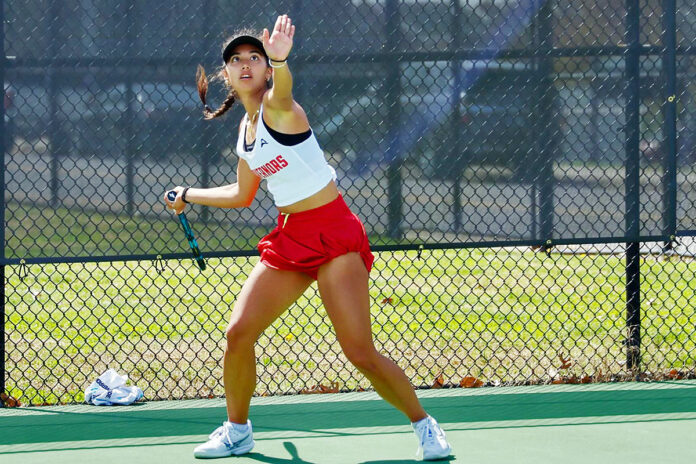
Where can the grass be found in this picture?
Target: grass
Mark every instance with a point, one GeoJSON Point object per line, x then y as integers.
{"type": "Point", "coordinates": [502, 315]}
{"type": "Point", "coordinates": [62, 232]}
{"type": "Point", "coordinates": [39, 232]}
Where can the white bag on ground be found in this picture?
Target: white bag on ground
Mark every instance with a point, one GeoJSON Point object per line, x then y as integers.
{"type": "Point", "coordinates": [110, 388]}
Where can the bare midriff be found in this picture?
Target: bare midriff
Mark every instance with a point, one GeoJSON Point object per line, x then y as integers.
{"type": "Point", "coordinates": [322, 197]}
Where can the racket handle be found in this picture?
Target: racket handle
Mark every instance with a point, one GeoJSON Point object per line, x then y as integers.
{"type": "Point", "coordinates": [171, 195]}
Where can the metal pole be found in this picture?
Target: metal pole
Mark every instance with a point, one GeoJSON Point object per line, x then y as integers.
{"type": "Point", "coordinates": [2, 203]}
{"type": "Point", "coordinates": [538, 127]}
{"type": "Point", "coordinates": [56, 142]}
{"type": "Point", "coordinates": [129, 114]}
{"type": "Point", "coordinates": [456, 120]}
{"type": "Point", "coordinates": [632, 215]}
{"type": "Point", "coordinates": [669, 108]}
{"type": "Point", "coordinates": [392, 94]}
{"type": "Point", "coordinates": [549, 136]}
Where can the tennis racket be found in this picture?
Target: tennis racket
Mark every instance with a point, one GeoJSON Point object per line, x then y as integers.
{"type": "Point", "coordinates": [171, 195]}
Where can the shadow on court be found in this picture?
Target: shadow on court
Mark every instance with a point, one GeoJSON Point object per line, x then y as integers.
{"type": "Point", "coordinates": [290, 448]}
{"type": "Point", "coordinates": [405, 461]}
{"type": "Point", "coordinates": [296, 459]}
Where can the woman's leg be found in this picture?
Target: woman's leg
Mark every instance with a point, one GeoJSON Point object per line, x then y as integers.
{"type": "Point", "coordinates": [343, 285]}
{"type": "Point", "coordinates": [265, 295]}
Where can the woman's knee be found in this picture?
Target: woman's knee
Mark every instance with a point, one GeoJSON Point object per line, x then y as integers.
{"type": "Point", "coordinates": [239, 336]}
{"type": "Point", "coordinates": [365, 358]}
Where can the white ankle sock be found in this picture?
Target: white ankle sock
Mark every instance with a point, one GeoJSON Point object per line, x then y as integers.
{"type": "Point", "coordinates": [238, 427]}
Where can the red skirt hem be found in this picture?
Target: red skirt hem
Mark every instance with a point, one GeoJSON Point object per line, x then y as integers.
{"type": "Point", "coordinates": [307, 240]}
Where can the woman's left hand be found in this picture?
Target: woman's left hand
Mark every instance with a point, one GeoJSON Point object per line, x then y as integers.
{"type": "Point", "coordinates": [278, 44]}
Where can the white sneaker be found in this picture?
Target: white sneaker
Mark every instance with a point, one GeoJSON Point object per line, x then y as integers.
{"type": "Point", "coordinates": [432, 442]}
{"type": "Point", "coordinates": [226, 440]}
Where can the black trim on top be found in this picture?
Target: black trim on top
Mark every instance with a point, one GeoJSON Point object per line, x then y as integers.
{"type": "Point", "coordinates": [248, 146]}
{"type": "Point", "coordinates": [284, 139]}
{"type": "Point", "coordinates": [288, 139]}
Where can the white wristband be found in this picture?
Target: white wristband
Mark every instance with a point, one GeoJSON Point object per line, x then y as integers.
{"type": "Point", "coordinates": [270, 63]}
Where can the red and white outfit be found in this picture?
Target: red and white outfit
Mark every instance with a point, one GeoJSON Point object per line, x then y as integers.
{"type": "Point", "coordinates": [306, 240]}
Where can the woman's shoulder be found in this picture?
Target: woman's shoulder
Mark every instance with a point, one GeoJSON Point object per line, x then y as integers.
{"type": "Point", "coordinates": [287, 121]}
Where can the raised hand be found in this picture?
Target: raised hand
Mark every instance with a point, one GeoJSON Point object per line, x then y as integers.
{"type": "Point", "coordinates": [279, 43]}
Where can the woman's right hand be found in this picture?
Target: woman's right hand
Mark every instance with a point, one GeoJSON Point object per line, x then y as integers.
{"type": "Point", "coordinates": [178, 204]}
{"type": "Point", "coordinates": [278, 43]}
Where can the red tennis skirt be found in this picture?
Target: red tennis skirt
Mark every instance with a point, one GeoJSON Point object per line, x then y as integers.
{"type": "Point", "coordinates": [306, 240]}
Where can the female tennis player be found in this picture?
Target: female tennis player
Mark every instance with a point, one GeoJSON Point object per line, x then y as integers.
{"type": "Point", "coordinates": [317, 238]}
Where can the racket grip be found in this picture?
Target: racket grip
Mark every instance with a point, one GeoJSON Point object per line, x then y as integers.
{"type": "Point", "coordinates": [171, 196]}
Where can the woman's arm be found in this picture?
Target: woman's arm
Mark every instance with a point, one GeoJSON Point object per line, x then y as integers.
{"type": "Point", "coordinates": [238, 195]}
{"type": "Point", "coordinates": [280, 110]}
{"type": "Point", "coordinates": [277, 46]}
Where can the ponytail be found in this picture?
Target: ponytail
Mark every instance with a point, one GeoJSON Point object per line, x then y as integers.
{"type": "Point", "coordinates": [202, 83]}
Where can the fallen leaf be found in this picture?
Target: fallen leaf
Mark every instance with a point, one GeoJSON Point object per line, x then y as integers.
{"type": "Point", "coordinates": [318, 389]}
{"type": "Point", "coordinates": [439, 382]}
{"type": "Point", "coordinates": [565, 363]}
{"type": "Point", "coordinates": [388, 300]}
{"type": "Point", "coordinates": [674, 374]}
{"type": "Point", "coordinates": [470, 382]}
{"type": "Point", "coordinates": [332, 389]}
{"type": "Point", "coordinates": [9, 401]}
{"type": "Point", "coordinates": [586, 379]}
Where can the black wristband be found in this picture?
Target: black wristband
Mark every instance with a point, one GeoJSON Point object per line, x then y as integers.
{"type": "Point", "coordinates": [278, 61]}
{"type": "Point", "coordinates": [183, 195]}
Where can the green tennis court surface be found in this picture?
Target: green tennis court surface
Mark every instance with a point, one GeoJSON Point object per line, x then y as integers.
{"type": "Point", "coordinates": [623, 422]}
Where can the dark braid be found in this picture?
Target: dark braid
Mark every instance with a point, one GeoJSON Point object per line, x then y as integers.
{"type": "Point", "coordinates": [202, 83]}
{"type": "Point", "coordinates": [226, 105]}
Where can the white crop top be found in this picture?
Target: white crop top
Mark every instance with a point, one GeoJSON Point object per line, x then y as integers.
{"type": "Point", "coordinates": [292, 173]}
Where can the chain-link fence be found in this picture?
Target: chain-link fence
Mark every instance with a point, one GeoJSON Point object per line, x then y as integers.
{"type": "Point", "coordinates": [524, 168]}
